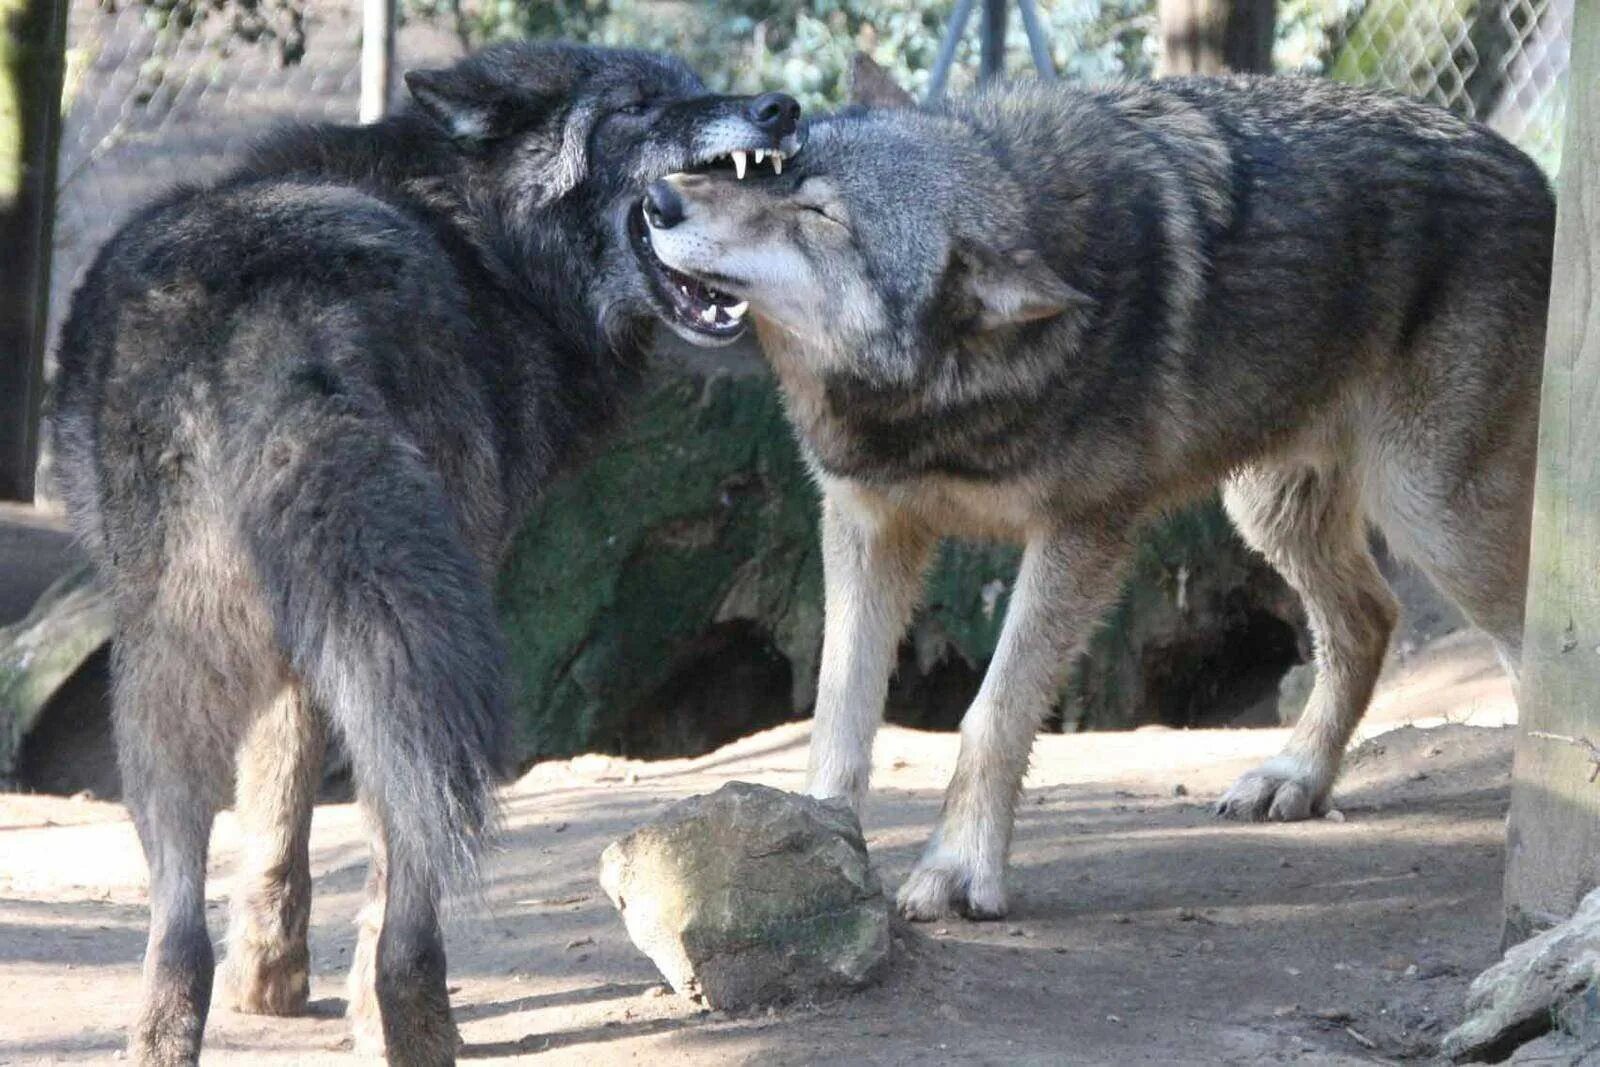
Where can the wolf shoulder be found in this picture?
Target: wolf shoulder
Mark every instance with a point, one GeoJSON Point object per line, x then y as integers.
{"type": "Point", "coordinates": [250, 236]}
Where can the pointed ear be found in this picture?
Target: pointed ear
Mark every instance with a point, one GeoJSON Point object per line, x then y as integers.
{"type": "Point", "coordinates": [468, 111]}
{"type": "Point", "coordinates": [871, 86]}
{"type": "Point", "coordinates": [1014, 287]}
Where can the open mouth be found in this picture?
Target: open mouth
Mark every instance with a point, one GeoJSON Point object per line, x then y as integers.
{"type": "Point", "coordinates": [695, 308]}
{"type": "Point", "coordinates": [740, 160]}
{"type": "Point", "coordinates": [744, 161]}
{"type": "Point", "coordinates": [693, 305]}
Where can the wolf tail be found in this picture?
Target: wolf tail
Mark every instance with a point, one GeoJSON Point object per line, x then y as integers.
{"type": "Point", "coordinates": [387, 621]}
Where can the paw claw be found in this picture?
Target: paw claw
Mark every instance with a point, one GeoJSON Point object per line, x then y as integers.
{"type": "Point", "coordinates": [267, 983]}
{"type": "Point", "coordinates": [1273, 793]}
{"type": "Point", "coordinates": [933, 892]}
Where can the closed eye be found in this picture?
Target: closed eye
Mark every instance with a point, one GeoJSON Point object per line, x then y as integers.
{"type": "Point", "coordinates": [638, 107]}
{"type": "Point", "coordinates": [820, 209]}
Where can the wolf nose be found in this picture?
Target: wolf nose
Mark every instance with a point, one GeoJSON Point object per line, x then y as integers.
{"type": "Point", "coordinates": [776, 114]}
{"type": "Point", "coordinates": [663, 207]}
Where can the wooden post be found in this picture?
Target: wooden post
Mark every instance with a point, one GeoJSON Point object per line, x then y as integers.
{"type": "Point", "coordinates": [33, 41]}
{"type": "Point", "coordinates": [1214, 36]}
{"type": "Point", "coordinates": [1553, 839]}
{"type": "Point", "coordinates": [377, 57]}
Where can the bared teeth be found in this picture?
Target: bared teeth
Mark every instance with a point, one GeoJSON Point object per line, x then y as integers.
{"type": "Point", "coordinates": [738, 164]}
{"type": "Point", "coordinates": [777, 162]}
{"type": "Point", "coordinates": [736, 311]}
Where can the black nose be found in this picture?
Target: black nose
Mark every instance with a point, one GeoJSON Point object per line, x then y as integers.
{"type": "Point", "coordinates": [776, 114]}
{"type": "Point", "coordinates": [663, 207]}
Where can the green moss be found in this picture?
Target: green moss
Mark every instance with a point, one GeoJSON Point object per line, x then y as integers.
{"type": "Point", "coordinates": [699, 510]}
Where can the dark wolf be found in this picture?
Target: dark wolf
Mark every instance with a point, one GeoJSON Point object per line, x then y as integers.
{"type": "Point", "coordinates": [1045, 314]}
{"type": "Point", "coordinates": [299, 411]}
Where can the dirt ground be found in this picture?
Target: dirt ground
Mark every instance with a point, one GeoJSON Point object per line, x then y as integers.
{"type": "Point", "coordinates": [1142, 929]}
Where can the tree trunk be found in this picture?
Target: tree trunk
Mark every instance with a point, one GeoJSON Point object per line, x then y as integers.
{"type": "Point", "coordinates": [1553, 844]}
{"type": "Point", "coordinates": [32, 52]}
{"type": "Point", "coordinates": [1216, 36]}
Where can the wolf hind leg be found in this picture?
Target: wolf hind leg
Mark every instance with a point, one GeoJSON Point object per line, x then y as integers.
{"type": "Point", "coordinates": [1469, 530]}
{"type": "Point", "coordinates": [392, 949]}
{"type": "Point", "coordinates": [1063, 587]}
{"type": "Point", "coordinates": [1309, 524]}
{"type": "Point", "coordinates": [173, 781]}
{"type": "Point", "coordinates": [267, 969]}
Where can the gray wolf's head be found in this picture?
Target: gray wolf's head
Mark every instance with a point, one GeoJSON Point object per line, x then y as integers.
{"type": "Point", "coordinates": [894, 242]}
{"type": "Point", "coordinates": [582, 132]}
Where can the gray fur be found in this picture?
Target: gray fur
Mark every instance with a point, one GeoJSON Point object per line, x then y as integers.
{"type": "Point", "coordinates": [1044, 314]}
{"type": "Point", "coordinates": [299, 413]}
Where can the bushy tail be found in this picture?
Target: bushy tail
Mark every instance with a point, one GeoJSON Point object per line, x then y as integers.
{"type": "Point", "coordinates": [387, 621]}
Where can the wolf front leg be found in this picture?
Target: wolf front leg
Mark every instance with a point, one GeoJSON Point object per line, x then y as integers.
{"type": "Point", "coordinates": [873, 560]}
{"type": "Point", "coordinates": [1066, 582]}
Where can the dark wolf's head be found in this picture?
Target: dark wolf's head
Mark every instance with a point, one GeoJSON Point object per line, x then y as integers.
{"type": "Point", "coordinates": [893, 242]}
{"type": "Point", "coordinates": [584, 131]}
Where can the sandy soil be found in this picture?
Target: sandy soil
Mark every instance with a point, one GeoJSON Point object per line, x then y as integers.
{"type": "Point", "coordinates": [1142, 931]}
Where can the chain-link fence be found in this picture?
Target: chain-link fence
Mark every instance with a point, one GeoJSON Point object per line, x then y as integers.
{"type": "Point", "coordinates": [163, 91]}
{"type": "Point", "coordinates": [166, 91]}
{"type": "Point", "coordinates": [1500, 61]}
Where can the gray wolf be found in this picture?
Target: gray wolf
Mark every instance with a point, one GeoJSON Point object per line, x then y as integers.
{"type": "Point", "coordinates": [1044, 314]}
{"type": "Point", "coordinates": [299, 411]}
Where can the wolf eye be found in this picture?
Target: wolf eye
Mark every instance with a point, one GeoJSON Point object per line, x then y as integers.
{"type": "Point", "coordinates": [819, 209]}
{"type": "Point", "coordinates": [638, 107]}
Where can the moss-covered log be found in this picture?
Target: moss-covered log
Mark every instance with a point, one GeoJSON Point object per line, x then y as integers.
{"type": "Point", "coordinates": [666, 596]}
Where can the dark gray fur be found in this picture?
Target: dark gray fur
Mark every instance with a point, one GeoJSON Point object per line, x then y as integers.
{"type": "Point", "coordinates": [1046, 313]}
{"type": "Point", "coordinates": [299, 412]}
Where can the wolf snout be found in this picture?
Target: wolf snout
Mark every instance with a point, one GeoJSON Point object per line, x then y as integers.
{"type": "Point", "coordinates": [775, 114]}
{"type": "Point", "coordinates": [663, 207]}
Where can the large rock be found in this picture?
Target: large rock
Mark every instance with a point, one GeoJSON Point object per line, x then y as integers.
{"type": "Point", "coordinates": [751, 895]}
{"type": "Point", "coordinates": [1547, 982]}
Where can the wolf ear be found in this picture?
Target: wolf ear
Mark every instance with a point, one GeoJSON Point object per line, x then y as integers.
{"type": "Point", "coordinates": [467, 109]}
{"type": "Point", "coordinates": [475, 110]}
{"type": "Point", "coordinates": [871, 85]}
{"type": "Point", "coordinates": [1014, 287]}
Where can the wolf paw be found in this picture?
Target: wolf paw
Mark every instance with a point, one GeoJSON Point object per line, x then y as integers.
{"type": "Point", "coordinates": [934, 890]}
{"type": "Point", "coordinates": [366, 1036]}
{"type": "Point", "coordinates": [166, 1040]}
{"type": "Point", "coordinates": [1277, 791]}
{"type": "Point", "coordinates": [263, 981]}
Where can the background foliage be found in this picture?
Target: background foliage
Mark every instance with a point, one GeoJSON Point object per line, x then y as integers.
{"type": "Point", "coordinates": [804, 46]}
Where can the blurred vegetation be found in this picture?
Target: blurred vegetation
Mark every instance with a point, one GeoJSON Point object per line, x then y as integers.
{"type": "Point", "coordinates": [805, 47]}
{"type": "Point", "coordinates": [279, 23]}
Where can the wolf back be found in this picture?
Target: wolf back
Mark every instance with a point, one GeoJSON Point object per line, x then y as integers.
{"type": "Point", "coordinates": [1045, 313]}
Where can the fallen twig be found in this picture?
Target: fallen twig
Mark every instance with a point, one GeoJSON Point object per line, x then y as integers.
{"type": "Point", "coordinates": [1361, 1039]}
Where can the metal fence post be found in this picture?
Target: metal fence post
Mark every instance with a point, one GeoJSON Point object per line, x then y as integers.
{"type": "Point", "coordinates": [992, 40]}
{"type": "Point", "coordinates": [33, 37]}
{"type": "Point", "coordinates": [991, 43]}
{"type": "Point", "coordinates": [377, 57]}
